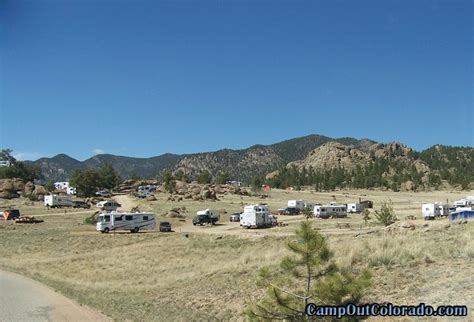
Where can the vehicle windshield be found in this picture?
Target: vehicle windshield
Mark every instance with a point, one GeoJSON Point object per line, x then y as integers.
{"type": "Point", "coordinates": [103, 218]}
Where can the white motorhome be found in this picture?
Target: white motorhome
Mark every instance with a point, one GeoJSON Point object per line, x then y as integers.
{"type": "Point", "coordinates": [355, 207]}
{"type": "Point", "coordinates": [134, 222]}
{"type": "Point", "coordinates": [298, 204]}
{"type": "Point", "coordinates": [57, 201]}
{"type": "Point", "coordinates": [332, 210]}
{"type": "Point", "coordinates": [256, 216]}
{"type": "Point", "coordinates": [433, 210]}
{"type": "Point", "coordinates": [108, 205]}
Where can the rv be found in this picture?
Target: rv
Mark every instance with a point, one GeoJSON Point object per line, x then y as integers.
{"type": "Point", "coordinates": [57, 201]}
{"type": "Point", "coordinates": [108, 205]}
{"type": "Point", "coordinates": [298, 204]}
{"type": "Point", "coordinates": [355, 207]}
{"type": "Point", "coordinates": [330, 211]}
{"type": "Point", "coordinates": [134, 222]}
{"type": "Point", "coordinates": [464, 202]}
{"type": "Point", "coordinates": [256, 216]}
{"type": "Point", "coordinates": [434, 210]}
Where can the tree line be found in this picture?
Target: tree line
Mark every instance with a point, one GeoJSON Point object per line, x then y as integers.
{"type": "Point", "coordinates": [380, 173]}
{"type": "Point", "coordinates": [17, 169]}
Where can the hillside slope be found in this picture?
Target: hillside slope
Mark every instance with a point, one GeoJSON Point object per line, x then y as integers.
{"type": "Point", "coordinates": [239, 164]}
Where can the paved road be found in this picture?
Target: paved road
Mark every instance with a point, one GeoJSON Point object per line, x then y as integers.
{"type": "Point", "coordinates": [23, 299]}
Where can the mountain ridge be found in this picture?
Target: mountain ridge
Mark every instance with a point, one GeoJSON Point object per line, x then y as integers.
{"type": "Point", "coordinates": [238, 164]}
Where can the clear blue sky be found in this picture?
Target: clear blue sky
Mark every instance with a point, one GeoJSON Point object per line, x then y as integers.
{"type": "Point", "coordinates": [142, 78]}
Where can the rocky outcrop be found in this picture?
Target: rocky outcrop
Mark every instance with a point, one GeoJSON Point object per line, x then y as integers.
{"type": "Point", "coordinates": [332, 155]}
{"type": "Point", "coordinates": [14, 188]}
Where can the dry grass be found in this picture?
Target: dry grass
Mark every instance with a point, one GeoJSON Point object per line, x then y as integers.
{"type": "Point", "coordinates": [208, 275]}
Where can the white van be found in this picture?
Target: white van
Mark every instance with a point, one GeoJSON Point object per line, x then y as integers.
{"type": "Point", "coordinates": [133, 221]}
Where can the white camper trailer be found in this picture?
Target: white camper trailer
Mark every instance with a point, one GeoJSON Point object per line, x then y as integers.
{"type": "Point", "coordinates": [134, 222]}
{"type": "Point", "coordinates": [298, 204]}
{"type": "Point", "coordinates": [256, 216]}
{"type": "Point", "coordinates": [57, 201]}
{"type": "Point", "coordinates": [332, 210]}
{"type": "Point", "coordinates": [464, 202]}
{"type": "Point", "coordinates": [434, 210]}
{"type": "Point", "coordinates": [355, 207]}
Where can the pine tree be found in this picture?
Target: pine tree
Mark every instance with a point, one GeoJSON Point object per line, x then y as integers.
{"type": "Point", "coordinates": [308, 276]}
{"type": "Point", "coordinates": [386, 215]}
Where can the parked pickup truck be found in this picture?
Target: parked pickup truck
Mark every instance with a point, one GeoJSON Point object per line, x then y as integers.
{"type": "Point", "coordinates": [208, 216]}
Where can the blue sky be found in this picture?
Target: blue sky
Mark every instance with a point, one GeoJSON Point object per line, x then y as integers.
{"type": "Point", "coordinates": [142, 78]}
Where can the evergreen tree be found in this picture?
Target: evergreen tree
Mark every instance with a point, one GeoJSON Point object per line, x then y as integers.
{"type": "Point", "coordinates": [204, 177]}
{"type": "Point", "coordinates": [108, 177]}
{"type": "Point", "coordinates": [307, 276]}
{"type": "Point", "coordinates": [386, 215]}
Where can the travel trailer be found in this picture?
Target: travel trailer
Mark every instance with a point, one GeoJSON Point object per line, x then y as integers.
{"type": "Point", "coordinates": [298, 204]}
{"type": "Point", "coordinates": [434, 210]}
{"type": "Point", "coordinates": [355, 207]}
{"type": "Point", "coordinates": [332, 210]}
{"type": "Point", "coordinates": [464, 202]}
{"type": "Point", "coordinates": [256, 216]}
{"type": "Point", "coordinates": [57, 201]}
{"type": "Point", "coordinates": [134, 222]}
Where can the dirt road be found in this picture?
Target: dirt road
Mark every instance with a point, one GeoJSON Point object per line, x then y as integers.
{"type": "Point", "coordinates": [125, 201]}
{"type": "Point", "coordinates": [23, 299]}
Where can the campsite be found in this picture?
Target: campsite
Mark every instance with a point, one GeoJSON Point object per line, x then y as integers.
{"type": "Point", "coordinates": [198, 272]}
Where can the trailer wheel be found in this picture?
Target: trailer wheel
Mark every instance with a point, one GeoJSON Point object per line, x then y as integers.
{"type": "Point", "coordinates": [106, 230]}
{"type": "Point", "coordinates": [136, 230]}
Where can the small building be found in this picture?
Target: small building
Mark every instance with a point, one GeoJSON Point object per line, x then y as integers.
{"type": "Point", "coordinates": [461, 215]}
{"type": "Point", "coordinates": [5, 163]}
{"type": "Point", "coordinates": [64, 186]}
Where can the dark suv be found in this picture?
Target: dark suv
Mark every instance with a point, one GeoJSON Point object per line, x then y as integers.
{"type": "Point", "coordinates": [165, 226]}
{"type": "Point", "coordinates": [291, 211]}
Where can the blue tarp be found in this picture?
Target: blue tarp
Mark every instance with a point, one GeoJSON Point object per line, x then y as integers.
{"type": "Point", "coordinates": [461, 215]}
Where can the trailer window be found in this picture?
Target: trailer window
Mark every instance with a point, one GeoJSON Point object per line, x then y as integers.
{"type": "Point", "coordinates": [129, 217]}
{"type": "Point", "coordinates": [107, 218]}
{"type": "Point", "coordinates": [118, 218]}
{"type": "Point", "coordinates": [145, 217]}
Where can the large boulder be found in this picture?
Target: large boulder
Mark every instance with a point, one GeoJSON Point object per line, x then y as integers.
{"type": "Point", "coordinates": [6, 185]}
{"type": "Point", "coordinates": [180, 185]}
{"type": "Point", "coordinates": [29, 188]}
{"type": "Point", "coordinates": [151, 198]}
{"type": "Point", "coordinates": [38, 193]}
{"type": "Point", "coordinates": [18, 184]}
{"type": "Point", "coordinates": [8, 194]}
{"type": "Point", "coordinates": [195, 190]}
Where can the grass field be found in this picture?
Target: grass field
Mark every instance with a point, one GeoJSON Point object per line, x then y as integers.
{"type": "Point", "coordinates": [207, 273]}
